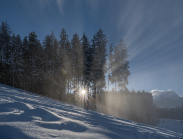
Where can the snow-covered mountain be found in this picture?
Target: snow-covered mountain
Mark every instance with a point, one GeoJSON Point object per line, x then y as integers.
{"type": "Point", "coordinates": [166, 99]}
{"type": "Point", "coordinates": [25, 115]}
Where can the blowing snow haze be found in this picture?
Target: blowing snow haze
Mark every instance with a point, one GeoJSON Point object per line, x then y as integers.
{"type": "Point", "coordinates": [166, 99]}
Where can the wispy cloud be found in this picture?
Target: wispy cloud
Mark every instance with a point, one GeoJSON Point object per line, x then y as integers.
{"type": "Point", "coordinates": [144, 25]}
{"type": "Point", "coordinates": [158, 94]}
{"type": "Point", "coordinates": [60, 4]}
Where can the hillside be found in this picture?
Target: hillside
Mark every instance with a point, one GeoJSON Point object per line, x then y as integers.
{"type": "Point", "coordinates": [28, 115]}
{"type": "Point", "coordinates": [167, 123]}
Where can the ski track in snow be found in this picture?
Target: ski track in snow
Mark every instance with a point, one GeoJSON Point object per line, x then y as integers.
{"type": "Point", "coordinates": [28, 115]}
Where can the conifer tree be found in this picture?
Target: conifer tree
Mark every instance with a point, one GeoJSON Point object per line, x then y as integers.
{"type": "Point", "coordinates": [16, 59]}
{"type": "Point", "coordinates": [48, 44]}
{"type": "Point", "coordinates": [64, 62]}
{"type": "Point", "coordinates": [25, 59]}
{"type": "Point", "coordinates": [51, 59]}
{"type": "Point", "coordinates": [34, 60]}
{"type": "Point", "coordinates": [119, 66]}
{"type": "Point", "coordinates": [87, 58]}
{"type": "Point", "coordinates": [5, 43]}
{"type": "Point", "coordinates": [99, 60]}
{"type": "Point", "coordinates": [77, 59]}
{"type": "Point", "coordinates": [98, 68]}
{"type": "Point", "coordinates": [56, 71]}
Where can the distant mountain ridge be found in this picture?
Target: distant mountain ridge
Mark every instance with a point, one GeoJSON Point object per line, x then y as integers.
{"type": "Point", "coordinates": [166, 99]}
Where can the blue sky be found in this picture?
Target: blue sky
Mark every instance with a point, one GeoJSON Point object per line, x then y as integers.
{"type": "Point", "coordinates": [152, 30]}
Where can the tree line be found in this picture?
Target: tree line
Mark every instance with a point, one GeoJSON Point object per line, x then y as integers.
{"type": "Point", "coordinates": [55, 67]}
{"type": "Point", "coordinates": [59, 68]}
{"type": "Point", "coordinates": [170, 113]}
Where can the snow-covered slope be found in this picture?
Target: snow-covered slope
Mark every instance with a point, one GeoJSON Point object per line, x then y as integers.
{"type": "Point", "coordinates": [24, 115]}
{"type": "Point", "coordinates": [167, 124]}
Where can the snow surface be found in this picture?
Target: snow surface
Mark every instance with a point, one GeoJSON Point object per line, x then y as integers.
{"type": "Point", "coordinates": [177, 125]}
{"type": "Point", "coordinates": [25, 115]}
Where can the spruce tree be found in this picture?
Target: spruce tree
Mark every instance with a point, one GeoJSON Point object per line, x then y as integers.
{"type": "Point", "coordinates": [51, 64]}
{"type": "Point", "coordinates": [87, 58]}
{"type": "Point", "coordinates": [34, 60]}
{"type": "Point", "coordinates": [5, 43]}
{"type": "Point", "coordinates": [25, 61]}
{"type": "Point", "coordinates": [120, 66]}
{"type": "Point", "coordinates": [16, 59]}
{"type": "Point", "coordinates": [64, 62]}
{"type": "Point", "coordinates": [47, 45]}
{"type": "Point", "coordinates": [77, 59]}
{"type": "Point", "coordinates": [99, 59]}
{"type": "Point", "coordinates": [98, 69]}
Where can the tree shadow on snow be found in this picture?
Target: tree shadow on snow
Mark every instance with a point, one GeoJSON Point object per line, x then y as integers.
{"type": "Point", "coordinates": [71, 126]}
{"type": "Point", "coordinates": [8, 132]}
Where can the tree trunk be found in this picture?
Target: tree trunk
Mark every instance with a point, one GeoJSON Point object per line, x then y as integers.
{"type": "Point", "coordinates": [68, 87]}
{"type": "Point", "coordinates": [5, 73]}
{"type": "Point", "coordinates": [1, 69]}
{"type": "Point", "coordinates": [115, 86]}
{"type": "Point", "coordinates": [13, 75]}
{"type": "Point", "coordinates": [108, 83]}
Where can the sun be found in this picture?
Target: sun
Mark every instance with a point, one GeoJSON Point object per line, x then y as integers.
{"type": "Point", "coordinates": [83, 91]}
